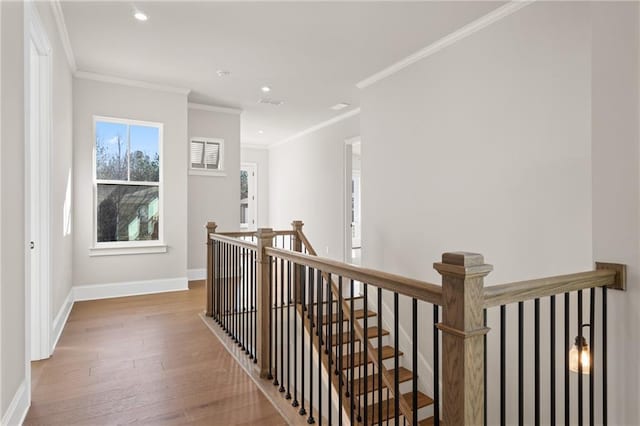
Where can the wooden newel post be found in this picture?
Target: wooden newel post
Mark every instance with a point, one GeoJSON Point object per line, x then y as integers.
{"type": "Point", "coordinates": [211, 229]}
{"type": "Point", "coordinates": [297, 269]}
{"type": "Point", "coordinates": [463, 337]}
{"type": "Point", "coordinates": [263, 297]}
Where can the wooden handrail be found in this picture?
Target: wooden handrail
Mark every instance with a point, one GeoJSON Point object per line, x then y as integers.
{"type": "Point", "coordinates": [533, 289]}
{"type": "Point", "coordinates": [421, 290]}
{"type": "Point", "coordinates": [233, 241]}
{"type": "Point", "coordinates": [254, 233]}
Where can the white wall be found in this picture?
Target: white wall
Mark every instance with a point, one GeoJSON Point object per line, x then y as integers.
{"type": "Point", "coordinates": [485, 146]}
{"type": "Point", "coordinates": [306, 182]}
{"type": "Point", "coordinates": [61, 165]}
{"type": "Point", "coordinates": [12, 223]}
{"type": "Point", "coordinates": [260, 157]}
{"type": "Point", "coordinates": [115, 100]}
{"type": "Point", "coordinates": [616, 177]}
{"type": "Point", "coordinates": [214, 198]}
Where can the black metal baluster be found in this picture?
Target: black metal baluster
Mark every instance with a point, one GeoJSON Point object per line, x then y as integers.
{"type": "Point", "coordinates": [605, 417]}
{"type": "Point", "coordinates": [298, 292]}
{"type": "Point", "coordinates": [271, 322]}
{"type": "Point", "coordinates": [255, 306]}
{"type": "Point", "coordinates": [379, 354]}
{"type": "Point", "coordinates": [288, 301]}
{"type": "Point", "coordinates": [352, 346]}
{"type": "Point", "coordinates": [329, 345]}
{"type": "Point", "coordinates": [536, 361]}
{"type": "Point", "coordinates": [567, 347]}
{"type": "Point", "coordinates": [521, 363]}
{"type": "Point", "coordinates": [592, 349]}
{"type": "Point", "coordinates": [580, 381]}
{"type": "Point", "coordinates": [226, 289]}
{"type": "Point", "coordinates": [303, 284]}
{"type": "Point", "coordinates": [552, 361]}
{"type": "Point", "coordinates": [414, 362]}
{"type": "Point", "coordinates": [436, 365]}
{"type": "Point", "coordinates": [310, 419]}
{"type": "Point", "coordinates": [282, 305]}
{"type": "Point", "coordinates": [503, 365]}
{"type": "Point", "coordinates": [365, 359]}
{"type": "Point", "coordinates": [320, 330]}
{"type": "Point", "coordinates": [234, 296]}
{"type": "Point", "coordinates": [484, 318]}
{"type": "Point", "coordinates": [396, 360]}
{"type": "Point", "coordinates": [243, 304]}
{"type": "Point", "coordinates": [340, 349]}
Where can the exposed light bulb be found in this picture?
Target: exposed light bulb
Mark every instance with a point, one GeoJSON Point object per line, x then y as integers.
{"type": "Point", "coordinates": [579, 358]}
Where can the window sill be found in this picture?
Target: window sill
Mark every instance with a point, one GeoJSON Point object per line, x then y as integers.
{"type": "Point", "coordinates": [193, 172]}
{"type": "Point", "coordinates": [124, 251]}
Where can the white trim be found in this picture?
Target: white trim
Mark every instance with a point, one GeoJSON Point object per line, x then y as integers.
{"type": "Point", "coordinates": [254, 146]}
{"type": "Point", "coordinates": [61, 24]}
{"type": "Point", "coordinates": [83, 75]}
{"type": "Point", "coordinates": [61, 319]}
{"type": "Point", "coordinates": [460, 34]}
{"type": "Point", "coordinates": [196, 274]}
{"type": "Point", "coordinates": [317, 127]}
{"type": "Point", "coordinates": [17, 410]}
{"type": "Point", "coordinates": [127, 250]}
{"type": "Point", "coordinates": [196, 172]}
{"type": "Point", "coordinates": [214, 108]}
{"type": "Point", "coordinates": [133, 288]}
{"type": "Point", "coordinates": [253, 192]}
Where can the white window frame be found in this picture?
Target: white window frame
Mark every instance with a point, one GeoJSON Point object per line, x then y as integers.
{"type": "Point", "coordinates": [252, 196]}
{"type": "Point", "coordinates": [208, 172]}
{"type": "Point", "coordinates": [128, 247]}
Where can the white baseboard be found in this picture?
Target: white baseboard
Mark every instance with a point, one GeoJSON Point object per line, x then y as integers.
{"type": "Point", "coordinates": [61, 319]}
{"type": "Point", "coordinates": [133, 288]}
{"type": "Point", "coordinates": [17, 410]}
{"type": "Point", "coordinates": [196, 274]}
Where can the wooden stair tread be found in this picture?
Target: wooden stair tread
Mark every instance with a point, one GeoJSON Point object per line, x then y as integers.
{"type": "Point", "coordinates": [359, 314]}
{"type": "Point", "coordinates": [335, 300]}
{"type": "Point", "coordinates": [428, 422]}
{"type": "Point", "coordinates": [372, 333]}
{"type": "Point", "coordinates": [387, 352]}
{"type": "Point", "coordinates": [404, 375]}
{"type": "Point", "coordinates": [388, 407]}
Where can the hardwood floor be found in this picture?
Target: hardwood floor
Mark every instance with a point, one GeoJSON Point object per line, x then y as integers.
{"type": "Point", "coordinates": [144, 359]}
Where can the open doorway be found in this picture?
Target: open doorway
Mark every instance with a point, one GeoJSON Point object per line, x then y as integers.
{"type": "Point", "coordinates": [248, 202]}
{"type": "Point", "coordinates": [353, 212]}
{"type": "Point", "coordinates": [37, 191]}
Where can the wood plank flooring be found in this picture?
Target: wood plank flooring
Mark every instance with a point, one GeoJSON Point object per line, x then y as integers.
{"type": "Point", "coordinates": [144, 359]}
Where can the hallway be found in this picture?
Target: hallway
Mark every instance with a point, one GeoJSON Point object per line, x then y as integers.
{"type": "Point", "coordinates": [144, 359]}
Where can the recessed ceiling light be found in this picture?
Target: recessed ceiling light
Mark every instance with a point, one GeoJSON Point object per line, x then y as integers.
{"type": "Point", "coordinates": [338, 107]}
{"type": "Point", "coordinates": [265, 89]}
{"type": "Point", "coordinates": [260, 132]}
{"type": "Point", "coordinates": [223, 73]}
{"type": "Point", "coordinates": [140, 16]}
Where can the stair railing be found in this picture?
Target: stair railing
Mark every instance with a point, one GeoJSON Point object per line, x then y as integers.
{"type": "Point", "coordinates": [295, 315]}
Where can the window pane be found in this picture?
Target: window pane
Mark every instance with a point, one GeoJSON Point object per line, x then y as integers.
{"type": "Point", "coordinates": [197, 149]}
{"type": "Point", "coordinates": [111, 151]}
{"type": "Point", "coordinates": [212, 155]}
{"type": "Point", "coordinates": [145, 153]}
{"type": "Point", "coordinates": [127, 213]}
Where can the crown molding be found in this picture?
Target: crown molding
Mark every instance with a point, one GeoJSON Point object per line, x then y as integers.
{"type": "Point", "coordinates": [460, 34]}
{"type": "Point", "coordinates": [61, 24]}
{"type": "Point", "coordinates": [215, 108]}
{"type": "Point", "coordinates": [127, 82]}
{"type": "Point", "coordinates": [317, 127]}
{"type": "Point", "coordinates": [254, 146]}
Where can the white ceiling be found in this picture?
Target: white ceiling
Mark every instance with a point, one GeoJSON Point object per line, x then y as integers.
{"type": "Point", "coordinates": [311, 53]}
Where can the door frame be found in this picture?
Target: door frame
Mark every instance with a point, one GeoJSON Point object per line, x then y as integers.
{"type": "Point", "coordinates": [347, 176]}
{"type": "Point", "coordinates": [252, 193]}
{"type": "Point", "coordinates": [38, 321]}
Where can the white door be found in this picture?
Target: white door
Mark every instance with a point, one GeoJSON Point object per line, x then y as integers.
{"type": "Point", "coordinates": [37, 181]}
{"type": "Point", "coordinates": [248, 202]}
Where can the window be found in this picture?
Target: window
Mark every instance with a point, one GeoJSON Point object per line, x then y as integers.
{"type": "Point", "coordinates": [207, 156]}
{"type": "Point", "coordinates": [248, 177]}
{"type": "Point", "coordinates": [127, 183]}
